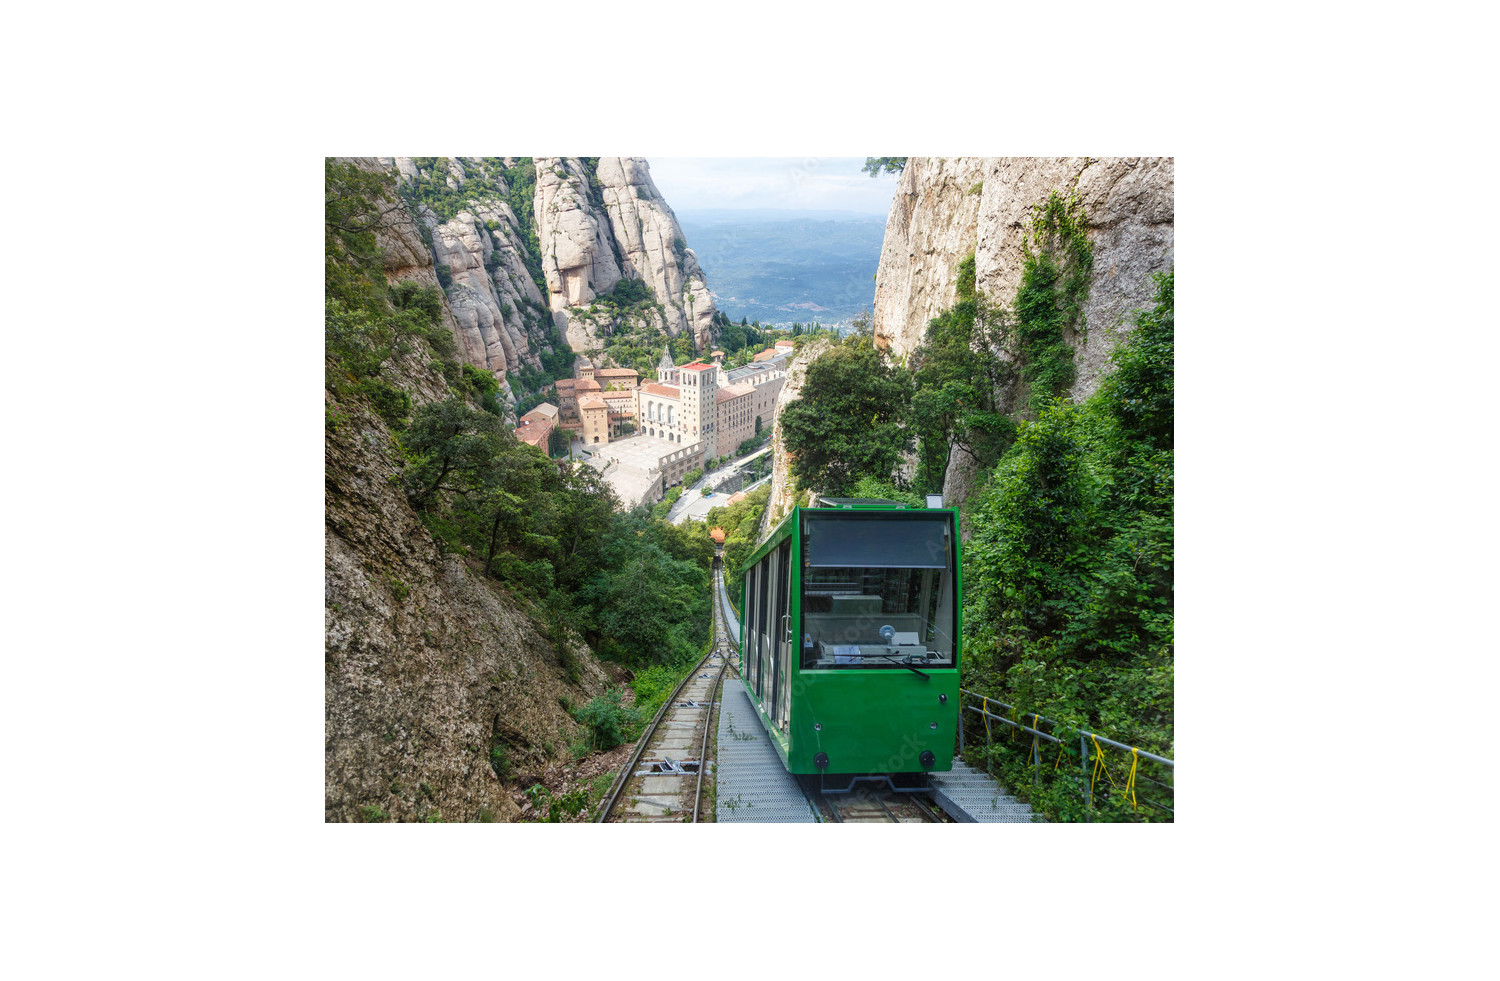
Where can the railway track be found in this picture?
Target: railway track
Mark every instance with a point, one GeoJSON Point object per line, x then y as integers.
{"type": "Point", "coordinates": [869, 805]}
{"type": "Point", "coordinates": [865, 803]}
{"type": "Point", "coordinates": [663, 782]}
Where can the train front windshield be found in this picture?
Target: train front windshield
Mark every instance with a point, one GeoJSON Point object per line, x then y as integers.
{"type": "Point", "coordinates": [877, 590]}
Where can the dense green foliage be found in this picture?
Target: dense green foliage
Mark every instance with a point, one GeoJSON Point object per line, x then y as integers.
{"type": "Point", "coordinates": [1049, 302]}
{"type": "Point", "coordinates": [958, 376]}
{"type": "Point", "coordinates": [636, 589]}
{"type": "Point", "coordinates": [740, 522]}
{"type": "Point", "coordinates": [368, 325]}
{"type": "Point", "coordinates": [605, 723]}
{"type": "Point", "coordinates": [850, 421]}
{"type": "Point", "coordinates": [1069, 567]}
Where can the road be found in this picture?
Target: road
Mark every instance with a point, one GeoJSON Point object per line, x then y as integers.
{"type": "Point", "coordinates": [693, 506]}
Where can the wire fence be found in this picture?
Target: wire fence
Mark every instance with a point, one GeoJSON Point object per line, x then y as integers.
{"type": "Point", "coordinates": [1141, 774]}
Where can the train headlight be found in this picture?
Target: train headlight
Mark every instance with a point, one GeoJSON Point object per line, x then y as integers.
{"type": "Point", "coordinates": [821, 761]}
{"type": "Point", "coordinates": [927, 758]}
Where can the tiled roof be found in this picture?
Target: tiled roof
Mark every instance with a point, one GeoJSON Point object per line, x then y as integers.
{"type": "Point", "coordinates": [563, 383]}
{"type": "Point", "coordinates": [670, 391]}
{"type": "Point", "coordinates": [587, 385]}
{"type": "Point", "coordinates": [591, 402]}
{"type": "Point", "coordinates": [616, 373]}
{"type": "Point", "coordinates": [729, 392]}
{"type": "Point", "coordinates": [697, 366]}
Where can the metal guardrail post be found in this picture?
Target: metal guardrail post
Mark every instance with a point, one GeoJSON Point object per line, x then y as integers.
{"type": "Point", "coordinates": [1083, 767]}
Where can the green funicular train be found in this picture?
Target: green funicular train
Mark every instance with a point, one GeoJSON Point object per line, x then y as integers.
{"type": "Point", "coordinates": [850, 638]}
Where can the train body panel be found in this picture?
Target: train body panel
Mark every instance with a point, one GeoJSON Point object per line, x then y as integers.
{"type": "Point", "coordinates": [850, 638]}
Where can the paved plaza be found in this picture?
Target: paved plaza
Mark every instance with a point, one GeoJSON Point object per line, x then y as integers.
{"type": "Point", "coordinates": [640, 452]}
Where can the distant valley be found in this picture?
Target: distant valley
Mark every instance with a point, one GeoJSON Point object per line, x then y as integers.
{"type": "Point", "coordinates": [786, 266]}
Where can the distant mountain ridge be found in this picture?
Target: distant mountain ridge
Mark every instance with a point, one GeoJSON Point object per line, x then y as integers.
{"type": "Point", "coordinates": [780, 266]}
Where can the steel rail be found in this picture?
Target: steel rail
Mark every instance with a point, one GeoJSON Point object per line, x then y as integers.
{"type": "Point", "coordinates": [927, 812]}
{"type": "Point", "coordinates": [708, 718]}
{"type": "Point", "coordinates": [629, 769]}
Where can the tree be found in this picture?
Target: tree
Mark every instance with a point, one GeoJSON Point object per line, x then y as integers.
{"type": "Point", "coordinates": [875, 166]}
{"type": "Point", "coordinates": [366, 324]}
{"type": "Point", "coordinates": [849, 421]}
{"type": "Point", "coordinates": [449, 445]}
{"type": "Point", "coordinates": [958, 372]}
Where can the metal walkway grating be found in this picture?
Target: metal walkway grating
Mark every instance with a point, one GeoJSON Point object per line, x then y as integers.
{"type": "Point", "coordinates": [752, 785]}
{"type": "Point", "coordinates": [973, 796]}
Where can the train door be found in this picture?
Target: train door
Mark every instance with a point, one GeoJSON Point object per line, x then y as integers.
{"type": "Point", "coordinates": [785, 648]}
{"type": "Point", "coordinates": [769, 654]}
{"type": "Point", "coordinates": [757, 624]}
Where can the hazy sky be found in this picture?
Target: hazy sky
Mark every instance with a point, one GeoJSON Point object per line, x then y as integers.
{"type": "Point", "coordinates": [792, 183]}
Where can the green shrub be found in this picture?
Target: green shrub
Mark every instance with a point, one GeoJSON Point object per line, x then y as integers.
{"type": "Point", "coordinates": [486, 390]}
{"type": "Point", "coordinates": [553, 810]}
{"type": "Point", "coordinates": [652, 686]}
{"type": "Point", "coordinates": [389, 402]}
{"type": "Point", "coordinates": [605, 721]}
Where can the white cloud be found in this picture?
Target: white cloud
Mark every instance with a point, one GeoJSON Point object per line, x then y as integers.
{"type": "Point", "coordinates": [794, 183]}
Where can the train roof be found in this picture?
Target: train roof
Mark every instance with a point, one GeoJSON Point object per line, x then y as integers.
{"type": "Point", "coordinates": [857, 502]}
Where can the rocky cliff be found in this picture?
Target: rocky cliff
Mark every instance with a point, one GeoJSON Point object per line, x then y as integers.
{"type": "Point", "coordinates": [929, 231]}
{"type": "Point", "coordinates": [473, 245]}
{"type": "Point", "coordinates": [437, 683]}
{"type": "Point", "coordinates": [945, 209]}
{"type": "Point", "coordinates": [783, 492]}
{"type": "Point", "coordinates": [602, 220]}
{"type": "Point", "coordinates": [443, 697]}
{"type": "Point", "coordinates": [522, 247]}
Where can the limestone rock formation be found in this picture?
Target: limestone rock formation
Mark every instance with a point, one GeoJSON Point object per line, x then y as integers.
{"type": "Point", "coordinates": [495, 305]}
{"type": "Point", "coordinates": [428, 667]}
{"type": "Point", "coordinates": [783, 494]}
{"type": "Point", "coordinates": [490, 287]}
{"type": "Point", "coordinates": [930, 230]}
{"type": "Point", "coordinates": [597, 228]}
{"type": "Point", "coordinates": [945, 208]}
